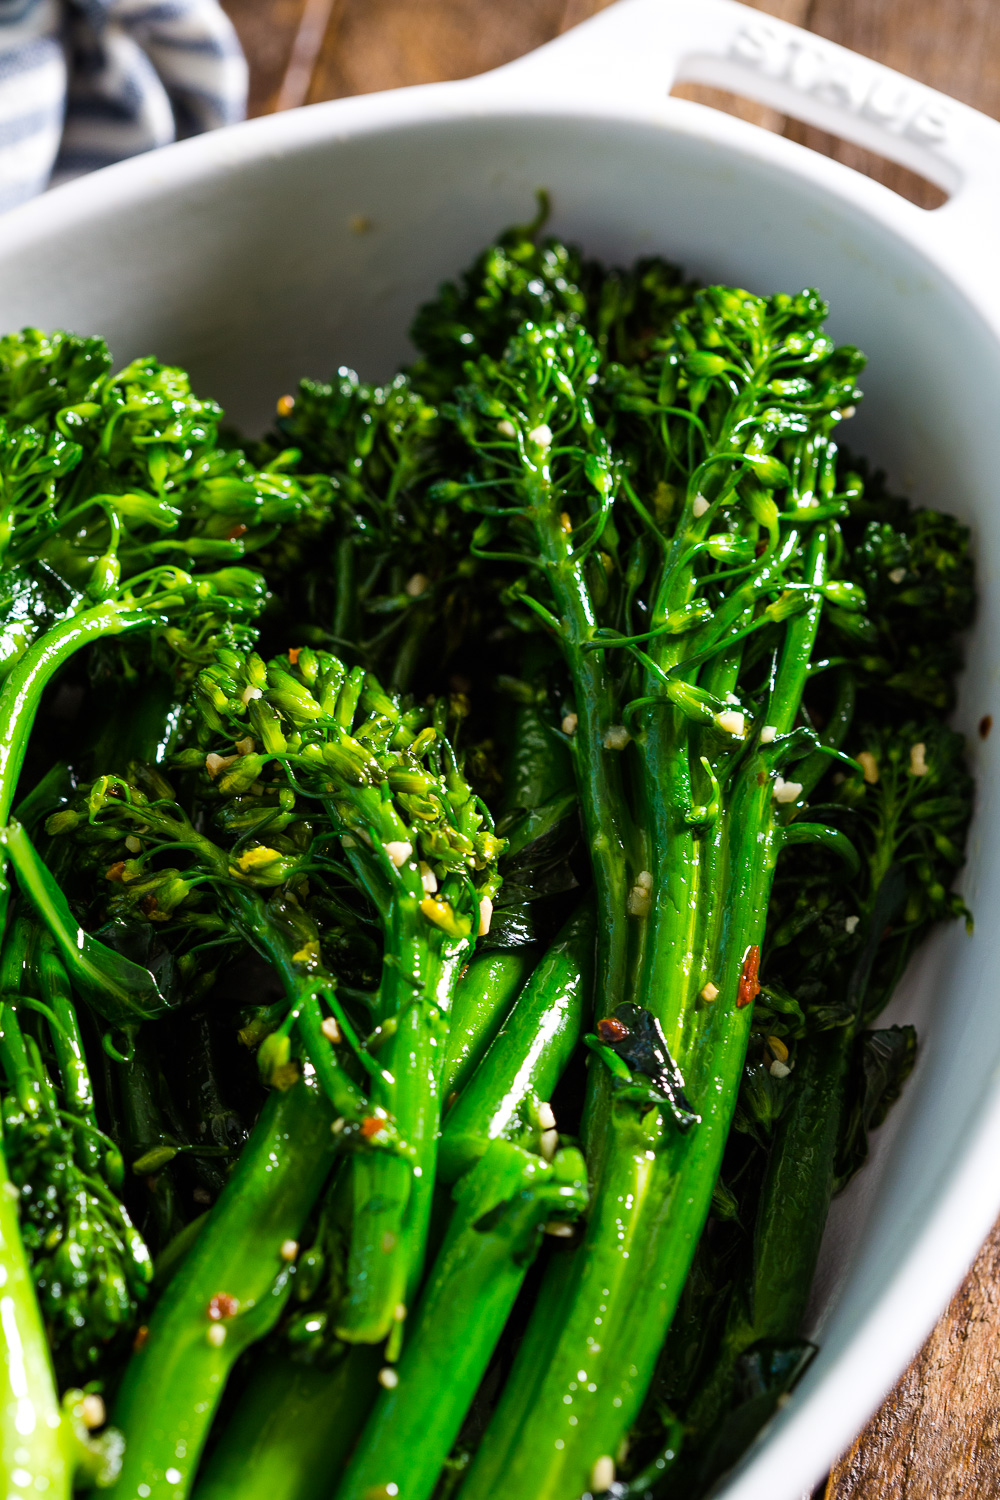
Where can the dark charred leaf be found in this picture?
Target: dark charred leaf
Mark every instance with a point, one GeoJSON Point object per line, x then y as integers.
{"type": "Point", "coordinates": [644, 1050]}
{"type": "Point", "coordinates": [763, 1374]}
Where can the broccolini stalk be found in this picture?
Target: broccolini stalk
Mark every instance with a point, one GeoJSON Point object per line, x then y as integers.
{"type": "Point", "coordinates": [501, 1207]}
{"type": "Point", "coordinates": [508, 1096]}
{"type": "Point", "coordinates": [907, 814]}
{"type": "Point", "coordinates": [420, 845]}
{"type": "Point", "coordinates": [296, 1423]}
{"type": "Point", "coordinates": [540, 447]}
{"type": "Point", "coordinates": [227, 1293]}
{"type": "Point", "coordinates": [483, 998]}
{"type": "Point", "coordinates": [293, 1429]}
{"type": "Point", "coordinates": [501, 1142]}
{"type": "Point", "coordinates": [714, 804]}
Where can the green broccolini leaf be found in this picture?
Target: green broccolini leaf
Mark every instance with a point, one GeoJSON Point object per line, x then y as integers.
{"type": "Point", "coordinates": [882, 1062]}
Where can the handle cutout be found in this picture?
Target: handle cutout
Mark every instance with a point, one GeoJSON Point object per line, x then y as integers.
{"type": "Point", "coordinates": [908, 184]}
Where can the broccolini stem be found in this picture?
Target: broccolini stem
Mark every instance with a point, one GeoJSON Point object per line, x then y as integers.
{"type": "Point", "coordinates": [227, 1293]}
{"type": "Point", "coordinates": [67, 1044]}
{"type": "Point", "coordinates": [492, 1239]}
{"type": "Point", "coordinates": [393, 1193]}
{"type": "Point", "coordinates": [509, 1094]}
{"type": "Point", "coordinates": [598, 767]}
{"type": "Point", "coordinates": [653, 1183]}
{"type": "Point", "coordinates": [33, 1437]}
{"type": "Point", "coordinates": [501, 1204]}
{"type": "Point", "coordinates": [293, 1429]}
{"type": "Point", "coordinates": [483, 997]}
{"type": "Point", "coordinates": [22, 690]}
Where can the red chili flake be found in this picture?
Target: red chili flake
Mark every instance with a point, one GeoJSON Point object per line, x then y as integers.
{"type": "Point", "coordinates": [749, 988]}
{"type": "Point", "coordinates": [985, 725]}
{"type": "Point", "coordinates": [141, 1337]}
{"type": "Point", "coordinates": [293, 654]}
{"type": "Point", "coordinates": [610, 1029]}
{"type": "Point", "coordinates": [371, 1126]}
{"type": "Point", "coordinates": [235, 532]}
{"type": "Point", "coordinates": [222, 1306]}
{"type": "Point", "coordinates": [115, 871]}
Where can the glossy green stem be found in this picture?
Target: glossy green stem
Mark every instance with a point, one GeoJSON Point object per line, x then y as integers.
{"type": "Point", "coordinates": [797, 1189]}
{"type": "Point", "coordinates": [121, 991]}
{"type": "Point", "coordinates": [173, 1384]}
{"type": "Point", "coordinates": [652, 1184]}
{"type": "Point", "coordinates": [293, 1429]}
{"type": "Point", "coordinates": [598, 769]}
{"type": "Point", "coordinates": [67, 1044]}
{"type": "Point", "coordinates": [393, 1193]}
{"type": "Point", "coordinates": [33, 1436]}
{"type": "Point", "coordinates": [539, 767]}
{"type": "Point", "coordinates": [18, 1068]}
{"type": "Point", "coordinates": [652, 1193]}
{"type": "Point", "coordinates": [483, 997]}
{"type": "Point", "coordinates": [295, 1423]}
{"type": "Point", "coordinates": [494, 1235]}
{"type": "Point", "coordinates": [143, 1117]}
{"type": "Point", "coordinates": [22, 690]}
{"type": "Point", "coordinates": [524, 1064]}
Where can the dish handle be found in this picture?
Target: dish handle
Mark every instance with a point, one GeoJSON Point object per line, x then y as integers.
{"type": "Point", "coordinates": [637, 50]}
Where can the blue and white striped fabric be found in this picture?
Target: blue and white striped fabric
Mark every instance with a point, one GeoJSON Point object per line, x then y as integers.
{"type": "Point", "coordinates": [87, 82]}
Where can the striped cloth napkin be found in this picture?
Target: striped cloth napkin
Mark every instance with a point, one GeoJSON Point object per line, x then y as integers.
{"type": "Point", "coordinates": [88, 82]}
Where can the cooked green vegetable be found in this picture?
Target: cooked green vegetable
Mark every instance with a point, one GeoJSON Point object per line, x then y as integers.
{"type": "Point", "coordinates": [493, 818]}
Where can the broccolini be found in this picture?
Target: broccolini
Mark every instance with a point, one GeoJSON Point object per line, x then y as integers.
{"type": "Point", "coordinates": [441, 967]}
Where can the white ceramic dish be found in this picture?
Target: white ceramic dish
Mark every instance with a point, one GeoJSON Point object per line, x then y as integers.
{"type": "Point", "coordinates": [302, 241]}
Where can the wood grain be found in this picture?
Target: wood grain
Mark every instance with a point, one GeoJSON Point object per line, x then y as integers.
{"type": "Point", "coordinates": [267, 31]}
{"type": "Point", "coordinates": [937, 1436]}
{"type": "Point", "coordinates": [384, 44]}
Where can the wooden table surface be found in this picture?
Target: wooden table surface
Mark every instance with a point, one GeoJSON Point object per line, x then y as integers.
{"type": "Point", "coordinates": [937, 1436]}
